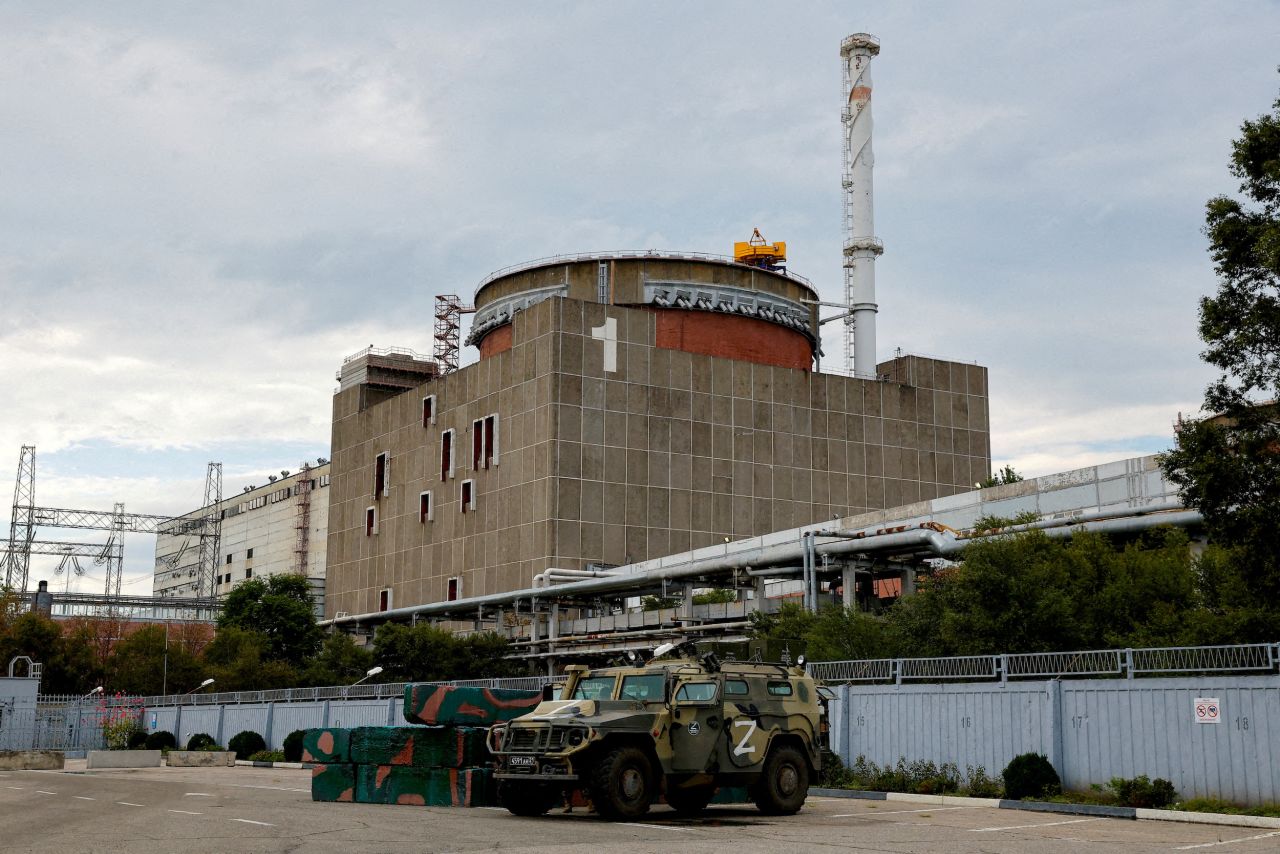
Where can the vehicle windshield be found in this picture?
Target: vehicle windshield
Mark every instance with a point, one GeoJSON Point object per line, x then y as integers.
{"type": "Point", "coordinates": [647, 688]}
{"type": "Point", "coordinates": [697, 692]}
{"type": "Point", "coordinates": [594, 688]}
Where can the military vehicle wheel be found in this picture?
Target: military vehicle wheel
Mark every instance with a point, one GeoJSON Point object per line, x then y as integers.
{"type": "Point", "coordinates": [527, 799]}
{"type": "Point", "coordinates": [784, 782]}
{"type": "Point", "coordinates": [622, 783]}
{"type": "Point", "coordinates": [689, 800]}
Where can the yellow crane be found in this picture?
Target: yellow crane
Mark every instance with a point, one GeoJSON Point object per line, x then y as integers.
{"type": "Point", "coordinates": [757, 252]}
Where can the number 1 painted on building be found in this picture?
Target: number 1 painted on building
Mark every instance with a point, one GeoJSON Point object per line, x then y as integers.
{"type": "Point", "coordinates": [608, 333]}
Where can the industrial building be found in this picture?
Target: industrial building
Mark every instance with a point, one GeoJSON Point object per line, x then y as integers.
{"type": "Point", "coordinates": [275, 528]}
{"type": "Point", "coordinates": [627, 406]}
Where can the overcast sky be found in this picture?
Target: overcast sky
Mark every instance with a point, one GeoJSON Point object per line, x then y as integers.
{"type": "Point", "coordinates": [204, 207]}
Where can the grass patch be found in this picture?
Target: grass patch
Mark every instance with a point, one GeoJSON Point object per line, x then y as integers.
{"type": "Point", "coordinates": [1226, 807]}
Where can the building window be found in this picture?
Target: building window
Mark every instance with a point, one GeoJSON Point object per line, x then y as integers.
{"type": "Point", "coordinates": [382, 474]}
{"type": "Point", "coordinates": [228, 560]}
{"type": "Point", "coordinates": [370, 521]}
{"type": "Point", "coordinates": [248, 555]}
{"type": "Point", "coordinates": [429, 410]}
{"type": "Point", "coordinates": [426, 512]}
{"type": "Point", "coordinates": [446, 454]}
{"type": "Point", "coordinates": [453, 590]}
{"type": "Point", "coordinates": [248, 573]}
{"type": "Point", "coordinates": [384, 599]}
{"type": "Point", "coordinates": [323, 480]}
{"type": "Point", "coordinates": [484, 442]}
{"type": "Point", "coordinates": [468, 495]}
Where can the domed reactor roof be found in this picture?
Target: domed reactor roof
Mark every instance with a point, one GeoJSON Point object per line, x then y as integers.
{"type": "Point", "coordinates": [705, 304]}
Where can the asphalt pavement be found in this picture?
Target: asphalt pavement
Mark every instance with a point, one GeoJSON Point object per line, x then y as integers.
{"type": "Point", "coordinates": [195, 810]}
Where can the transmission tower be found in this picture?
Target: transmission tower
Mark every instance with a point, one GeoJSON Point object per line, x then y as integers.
{"type": "Point", "coordinates": [17, 561]}
{"type": "Point", "coordinates": [113, 558]}
{"type": "Point", "coordinates": [449, 311]}
{"type": "Point", "coordinates": [210, 532]}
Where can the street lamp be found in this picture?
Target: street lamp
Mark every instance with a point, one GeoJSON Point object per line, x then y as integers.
{"type": "Point", "coordinates": [206, 683]}
{"type": "Point", "coordinates": [97, 690]}
{"type": "Point", "coordinates": [373, 671]}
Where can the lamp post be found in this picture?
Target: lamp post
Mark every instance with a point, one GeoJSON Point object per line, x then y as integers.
{"type": "Point", "coordinates": [205, 684]}
{"type": "Point", "coordinates": [373, 671]}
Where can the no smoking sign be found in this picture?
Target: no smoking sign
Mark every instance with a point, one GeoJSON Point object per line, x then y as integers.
{"type": "Point", "coordinates": [1208, 710]}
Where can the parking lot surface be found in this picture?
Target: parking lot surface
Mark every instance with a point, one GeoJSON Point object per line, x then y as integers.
{"type": "Point", "coordinates": [270, 810]}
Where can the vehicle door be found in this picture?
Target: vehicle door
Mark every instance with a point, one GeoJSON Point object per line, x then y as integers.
{"type": "Point", "coordinates": [697, 722]}
{"type": "Point", "coordinates": [746, 732]}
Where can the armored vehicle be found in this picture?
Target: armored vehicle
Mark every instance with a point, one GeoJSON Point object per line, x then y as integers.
{"type": "Point", "coordinates": [682, 723]}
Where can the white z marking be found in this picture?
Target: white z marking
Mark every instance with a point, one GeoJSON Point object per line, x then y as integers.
{"type": "Point", "coordinates": [742, 748]}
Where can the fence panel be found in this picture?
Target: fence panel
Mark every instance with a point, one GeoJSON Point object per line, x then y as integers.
{"type": "Point", "coordinates": [1091, 729]}
{"type": "Point", "coordinates": [287, 717]}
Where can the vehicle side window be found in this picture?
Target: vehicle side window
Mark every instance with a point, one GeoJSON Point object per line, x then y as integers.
{"type": "Point", "coordinates": [696, 692]}
{"type": "Point", "coordinates": [647, 688]}
{"type": "Point", "coordinates": [736, 688]}
{"type": "Point", "coordinates": [780, 689]}
{"type": "Point", "coordinates": [594, 688]}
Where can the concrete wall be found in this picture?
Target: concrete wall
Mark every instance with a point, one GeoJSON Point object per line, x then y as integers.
{"type": "Point", "coordinates": [1091, 730]}
{"type": "Point", "coordinates": [663, 452]}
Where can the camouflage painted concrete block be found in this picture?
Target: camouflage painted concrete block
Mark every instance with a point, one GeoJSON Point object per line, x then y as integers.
{"type": "Point", "coordinates": [326, 745]}
{"type": "Point", "coordinates": [413, 786]}
{"type": "Point", "coordinates": [421, 746]}
{"type": "Point", "coordinates": [333, 783]}
{"type": "Point", "coordinates": [446, 704]}
{"type": "Point", "coordinates": [461, 787]}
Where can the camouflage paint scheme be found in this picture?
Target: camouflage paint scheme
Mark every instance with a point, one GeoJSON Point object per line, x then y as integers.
{"type": "Point", "coordinates": [694, 741]}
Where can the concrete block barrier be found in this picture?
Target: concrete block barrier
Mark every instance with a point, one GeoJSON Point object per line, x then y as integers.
{"type": "Point", "coordinates": [426, 747]}
{"type": "Point", "coordinates": [32, 760]}
{"type": "Point", "coordinates": [327, 745]}
{"type": "Point", "coordinates": [123, 759]}
{"type": "Point", "coordinates": [333, 783]}
{"type": "Point", "coordinates": [200, 758]}
{"type": "Point", "coordinates": [447, 704]}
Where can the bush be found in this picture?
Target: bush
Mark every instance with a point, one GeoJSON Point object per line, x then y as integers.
{"type": "Point", "coordinates": [137, 738]}
{"type": "Point", "coordinates": [293, 746]}
{"type": "Point", "coordinates": [162, 740]}
{"type": "Point", "coordinates": [268, 756]}
{"type": "Point", "coordinates": [1030, 776]}
{"type": "Point", "coordinates": [246, 743]}
{"type": "Point", "coordinates": [201, 741]}
{"type": "Point", "coordinates": [978, 784]}
{"type": "Point", "coordinates": [1142, 791]}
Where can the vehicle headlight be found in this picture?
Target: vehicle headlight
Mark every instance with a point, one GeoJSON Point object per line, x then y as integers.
{"type": "Point", "coordinates": [576, 737]}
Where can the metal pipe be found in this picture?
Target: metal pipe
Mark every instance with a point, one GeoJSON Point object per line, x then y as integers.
{"type": "Point", "coordinates": [927, 540]}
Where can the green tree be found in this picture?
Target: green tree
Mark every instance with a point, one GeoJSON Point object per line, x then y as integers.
{"type": "Point", "coordinates": [340, 661]}
{"type": "Point", "coordinates": [424, 653]}
{"type": "Point", "coordinates": [69, 667]}
{"type": "Point", "coordinates": [137, 664]}
{"type": "Point", "coordinates": [238, 660]}
{"type": "Point", "coordinates": [280, 609]}
{"type": "Point", "coordinates": [1002, 476]}
{"type": "Point", "coordinates": [1228, 466]}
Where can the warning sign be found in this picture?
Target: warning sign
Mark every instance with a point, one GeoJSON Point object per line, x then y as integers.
{"type": "Point", "coordinates": [1208, 710]}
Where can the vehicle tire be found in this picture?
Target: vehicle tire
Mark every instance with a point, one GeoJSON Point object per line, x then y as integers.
{"type": "Point", "coordinates": [784, 782]}
{"type": "Point", "coordinates": [527, 799]}
{"type": "Point", "coordinates": [689, 800]}
{"type": "Point", "coordinates": [622, 783]}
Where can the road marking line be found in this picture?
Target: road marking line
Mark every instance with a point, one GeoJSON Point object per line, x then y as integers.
{"type": "Point", "coordinates": [1228, 841]}
{"type": "Point", "coordinates": [127, 804]}
{"type": "Point", "coordinates": [83, 798]}
{"type": "Point", "coordinates": [197, 795]}
{"type": "Point", "coordinates": [273, 788]}
{"type": "Point", "coordinates": [15, 787]}
{"type": "Point", "coordinates": [251, 821]}
{"type": "Point", "coordinates": [654, 826]}
{"type": "Point", "coordinates": [43, 792]}
{"type": "Point", "coordinates": [898, 812]}
{"type": "Point", "coordinates": [187, 812]}
{"type": "Point", "coordinates": [1029, 826]}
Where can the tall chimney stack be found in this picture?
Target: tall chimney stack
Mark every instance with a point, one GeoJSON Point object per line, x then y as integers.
{"type": "Point", "coordinates": [860, 244]}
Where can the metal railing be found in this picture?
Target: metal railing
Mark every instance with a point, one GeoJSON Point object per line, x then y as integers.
{"type": "Point", "coordinates": [657, 254]}
{"type": "Point", "coordinates": [1154, 661]}
{"type": "Point", "coordinates": [366, 691]}
{"type": "Point", "coordinates": [388, 351]}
